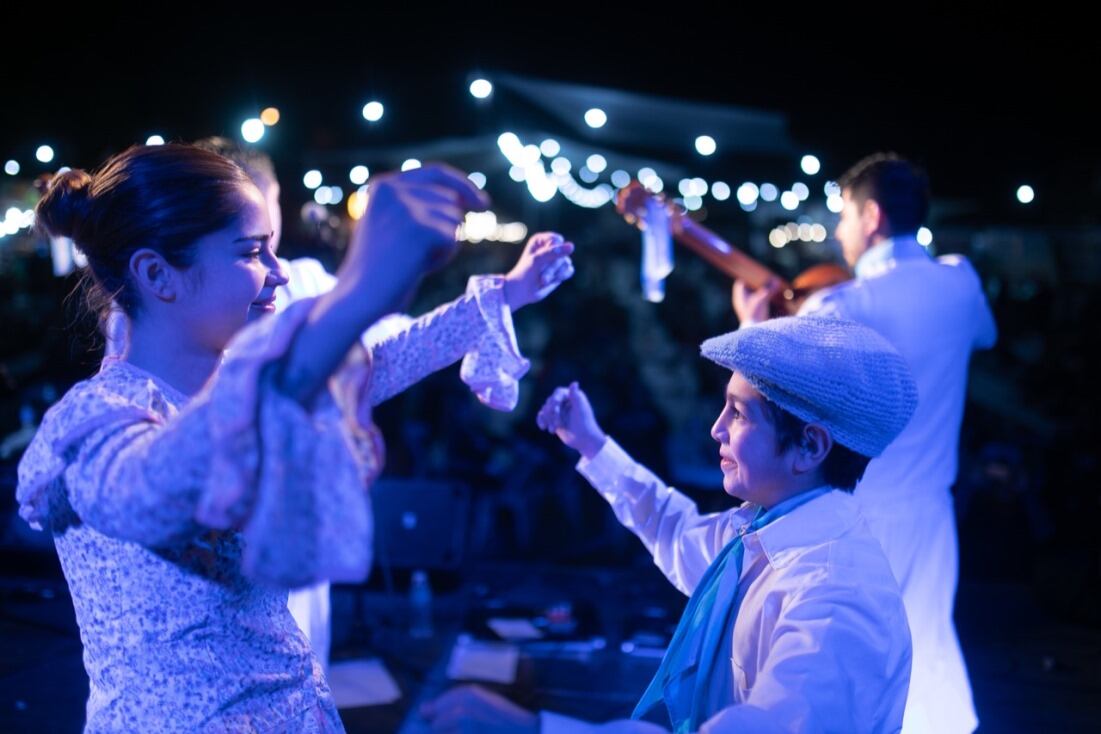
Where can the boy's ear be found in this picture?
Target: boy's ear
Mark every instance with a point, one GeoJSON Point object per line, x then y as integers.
{"type": "Point", "coordinates": [814, 447]}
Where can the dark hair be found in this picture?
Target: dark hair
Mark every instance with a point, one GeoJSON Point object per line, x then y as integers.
{"type": "Point", "coordinates": [900, 189]}
{"type": "Point", "coordinates": [257, 164]}
{"type": "Point", "coordinates": [161, 197]}
{"type": "Point", "coordinates": [842, 467]}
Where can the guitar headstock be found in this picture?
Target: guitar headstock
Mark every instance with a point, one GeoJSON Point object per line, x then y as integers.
{"type": "Point", "coordinates": [631, 201]}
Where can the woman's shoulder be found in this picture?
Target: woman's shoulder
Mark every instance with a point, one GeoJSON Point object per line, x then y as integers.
{"type": "Point", "coordinates": [118, 386]}
{"type": "Point", "coordinates": [116, 394]}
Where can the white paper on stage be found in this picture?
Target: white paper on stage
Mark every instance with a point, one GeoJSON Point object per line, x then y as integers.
{"type": "Point", "coordinates": [362, 683]}
{"type": "Point", "coordinates": [512, 629]}
{"type": "Point", "coordinates": [486, 661]}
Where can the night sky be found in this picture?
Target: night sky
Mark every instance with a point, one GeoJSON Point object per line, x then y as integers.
{"type": "Point", "coordinates": [985, 104]}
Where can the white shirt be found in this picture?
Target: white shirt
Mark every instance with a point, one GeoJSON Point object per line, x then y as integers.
{"type": "Point", "coordinates": [935, 313]}
{"type": "Point", "coordinates": [820, 642]}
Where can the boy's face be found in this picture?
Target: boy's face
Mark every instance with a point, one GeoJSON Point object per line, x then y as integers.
{"type": "Point", "coordinates": [752, 468]}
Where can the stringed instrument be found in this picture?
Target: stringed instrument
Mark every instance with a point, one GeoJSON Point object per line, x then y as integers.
{"type": "Point", "coordinates": [633, 201]}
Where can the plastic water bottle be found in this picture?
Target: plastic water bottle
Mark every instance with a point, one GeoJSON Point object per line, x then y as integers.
{"type": "Point", "coordinates": [420, 606]}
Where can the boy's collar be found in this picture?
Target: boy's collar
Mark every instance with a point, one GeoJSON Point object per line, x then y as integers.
{"type": "Point", "coordinates": [818, 521]}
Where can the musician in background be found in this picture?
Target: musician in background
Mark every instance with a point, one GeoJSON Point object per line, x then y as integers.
{"type": "Point", "coordinates": [935, 313]}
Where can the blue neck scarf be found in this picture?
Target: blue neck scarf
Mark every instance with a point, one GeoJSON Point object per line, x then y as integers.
{"type": "Point", "coordinates": [683, 679]}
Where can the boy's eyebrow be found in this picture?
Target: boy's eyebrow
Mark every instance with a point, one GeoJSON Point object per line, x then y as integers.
{"type": "Point", "coordinates": [747, 403]}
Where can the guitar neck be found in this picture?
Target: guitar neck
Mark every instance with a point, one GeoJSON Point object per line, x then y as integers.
{"type": "Point", "coordinates": [719, 253]}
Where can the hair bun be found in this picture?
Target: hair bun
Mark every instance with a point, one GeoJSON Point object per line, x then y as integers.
{"type": "Point", "coordinates": [65, 205]}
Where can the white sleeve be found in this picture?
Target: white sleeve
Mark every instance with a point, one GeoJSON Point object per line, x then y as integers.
{"type": "Point", "coordinates": [682, 542]}
{"type": "Point", "coordinates": [476, 328]}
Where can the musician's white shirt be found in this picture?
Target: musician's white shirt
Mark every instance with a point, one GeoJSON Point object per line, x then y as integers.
{"type": "Point", "coordinates": [935, 313]}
